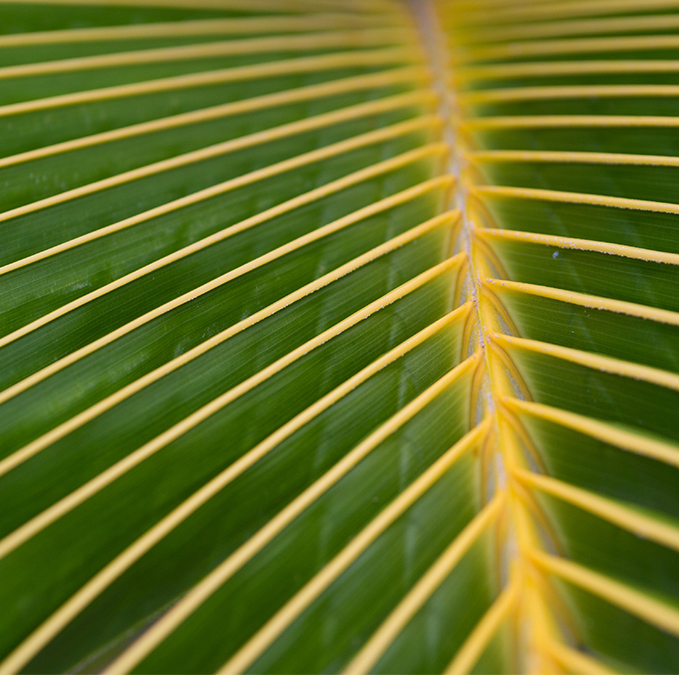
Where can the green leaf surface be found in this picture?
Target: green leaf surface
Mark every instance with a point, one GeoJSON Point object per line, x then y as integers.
{"type": "Point", "coordinates": [339, 336]}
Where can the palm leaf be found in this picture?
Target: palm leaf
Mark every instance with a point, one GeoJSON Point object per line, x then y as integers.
{"type": "Point", "coordinates": [339, 335]}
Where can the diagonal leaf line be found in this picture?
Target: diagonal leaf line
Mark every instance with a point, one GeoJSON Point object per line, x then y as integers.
{"type": "Point", "coordinates": [575, 661]}
{"type": "Point", "coordinates": [361, 37]}
{"type": "Point", "coordinates": [605, 364]}
{"type": "Point", "coordinates": [249, 5]}
{"type": "Point", "coordinates": [417, 124]}
{"type": "Point", "coordinates": [643, 525]}
{"type": "Point", "coordinates": [565, 68]}
{"type": "Point", "coordinates": [633, 601]}
{"type": "Point", "coordinates": [584, 300]}
{"type": "Point", "coordinates": [569, 121]}
{"type": "Point", "coordinates": [312, 590]}
{"type": "Point", "coordinates": [123, 561]}
{"type": "Point", "coordinates": [390, 56]}
{"type": "Point", "coordinates": [662, 451]}
{"type": "Point", "coordinates": [567, 157]}
{"type": "Point", "coordinates": [572, 46]}
{"type": "Point", "coordinates": [535, 93]}
{"type": "Point", "coordinates": [335, 226]}
{"type": "Point", "coordinates": [472, 649]}
{"type": "Point", "coordinates": [251, 140]}
{"type": "Point", "coordinates": [225, 570]}
{"type": "Point", "coordinates": [305, 198]}
{"type": "Point", "coordinates": [621, 250]}
{"type": "Point", "coordinates": [551, 29]}
{"type": "Point", "coordinates": [408, 74]}
{"type": "Point", "coordinates": [564, 10]}
{"type": "Point", "coordinates": [98, 483]}
{"type": "Point", "coordinates": [190, 28]}
{"type": "Point", "coordinates": [75, 422]}
{"type": "Point", "coordinates": [393, 625]}
{"type": "Point", "coordinates": [381, 168]}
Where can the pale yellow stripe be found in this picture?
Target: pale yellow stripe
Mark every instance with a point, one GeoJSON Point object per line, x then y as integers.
{"type": "Point", "coordinates": [273, 628]}
{"type": "Point", "coordinates": [87, 415]}
{"type": "Point", "coordinates": [385, 635]}
{"type": "Point", "coordinates": [563, 10]}
{"type": "Point", "coordinates": [547, 29]}
{"type": "Point", "coordinates": [647, 527]}
{"type": "Point", "coordinates": [483, 633]}
{"type": "Point", "coordinates": [308, 64]}
{"type": "Point", "coordinates": [584, 300]}
{"type": "Point", "coordinates": [98, 483]}
{"type": "Point", "coordinates": [663, 451]}
{"type": "Point", "coordinates": [16, 458]}
{"type": "Point", "coordinates": [198, 27]}
{"type": "Point", "coordinates": [575, 661]}
{"type": "Point", "coordinates": [303, 160]}
{"type": "Point", "coordinates": [464, 6]}
{"type": "Point", "coordinates": [27, 650]}
{"type": "Point", "coordinates": [569, 121]}
{"type": "Point", "coordinates": [247, 5]}
{"type": "Point", "coordinates": [370, 37]}
{"type": "Point", "coordinates": [566, 157]}
{"type": "Point", "coordinates": [575, 68]}
{"type": "Point", "coordinates": [218, 577]}
{"type": "Point", "coordinates": [415, 76]}
{"type": "Point", "coordinates": [210, 152]}
{"type": "Point", "coordinates": [569, 91]}
{"type": "Point", "coordinates": [605, 364]}
{"type": "Point", "coordinates": [615, 45]}
{"type": "Point", "coordinates": [632, 252]}
{"type": "Point", "coordinates": [629, 599]}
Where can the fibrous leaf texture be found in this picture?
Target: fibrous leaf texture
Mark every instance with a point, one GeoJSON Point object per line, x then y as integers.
{"type": "Point", "coordinates": [339, 336]}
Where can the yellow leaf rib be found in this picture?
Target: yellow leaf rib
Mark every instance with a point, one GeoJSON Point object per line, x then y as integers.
{"type": "Point", "coordinates": [569, 121]}
{"type": "Point", "coordinates": [497, 375]}
{"type": "Point", "coordinates": [125, 560]}
{"type": "Point", "coordinates": [393, 56]}
{"type": "Point", "coordinates": [82, 418]}
{"type": "Point", "coordinates": [357, 38]}
{"type": "Point", "coordinates": [385, 635]}
{"type": "Point", "coordinates": [564, 69]}
{"type": "Point", "coordinates": [22, 455]}
{"type": "Point", "coordinates": [573, 46]}
{"type": "Point", "coordinates": [478, 640]}
{"type": "Point", "coordinates": [627, 598]}
{"type": "Point", "coordinates": [605, 364]}
{"type": "Point", "coordinates": [68, 503]}
{"type": "Point", "coordinates": [575, 661]}
{"type": "Point", "coordinates": [537, 93]}
{"type": "Point", "coordinates": [190, 28]}
{"type": "Point", "coordinates": [249, 5]}
{"type": "Point", "coordinates": [563, 10]}
{"type": "Point", "coordinates": [301, 160]}
{"type": "Point", "coordinates": [407, 75]}
{"type": "Point", "coordinates": [660, 450]}
{"type": "Point", "coordinates": [622, 159]}
{"type": "Point", "coordinates": [630, 519]}
{"type": "Point", "coordinates": [273, 628]}
{"type": "Point", "coordinates": [123, 466]}
{"type": "Point", "coordinates": [578, 27]}
{"type": "Point", "coordinates": [632, 252]}
{"type": "Point", "coordinates": [218, 577]}
{"type": "Point", "coordinates": [210, 152]}
{"type": "Point", "coordinates": [589, 301]}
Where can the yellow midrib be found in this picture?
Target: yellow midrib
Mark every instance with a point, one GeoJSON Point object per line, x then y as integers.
{"type": "Point", "coordinates": [522, 599]}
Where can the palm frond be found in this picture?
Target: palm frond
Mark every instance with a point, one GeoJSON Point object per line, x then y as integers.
{"type": "Point", "coordinates": [339, 335]}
